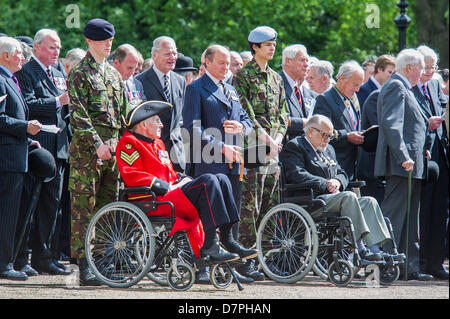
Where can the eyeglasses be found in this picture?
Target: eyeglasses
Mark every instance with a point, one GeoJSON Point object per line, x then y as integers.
{"type": "Point", "coordinates": [431, 68]}
{"type": "Point", "coordinates": [325, 136]}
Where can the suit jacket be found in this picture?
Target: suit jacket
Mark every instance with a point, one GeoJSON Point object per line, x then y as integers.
{"type": "Point", "coordinates": [40, 93]}
{"type": "Point", "coordinates": [365, 90]}
{"type": "Point", "coordinates": [206, 108]}
{"type": "Point", "coordinates": [331, 105]}
{"type": "Point", "coordinates": [402, 131]}
{"type": "Point", "coordinates": [304, 166]}
{"type": "Point", "coordinates": [172, 121]}
{"type": "Point", "coordinates": [435, 108]}
{"type": "Point", "coordinates": [366, 160]}
{"type": "Point", "coordinates": [297, 111]}
{"type": "Point", "coordinates": [13, 127]}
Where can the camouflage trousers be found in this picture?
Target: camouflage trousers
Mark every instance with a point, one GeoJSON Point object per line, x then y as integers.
{"type": "Point", "coordinates": [91, 187]}
{"type": "Point", "coordinates": [260, 192]}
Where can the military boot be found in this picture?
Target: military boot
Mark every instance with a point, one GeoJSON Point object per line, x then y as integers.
{"type": "Point", "coordinates": [87, 278]}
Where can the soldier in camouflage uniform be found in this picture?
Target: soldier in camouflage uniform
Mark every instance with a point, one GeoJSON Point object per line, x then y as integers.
{"type": "Point", "coordinates": [261, 93]}
{"type": "Point", "coordinates": [98, 111]}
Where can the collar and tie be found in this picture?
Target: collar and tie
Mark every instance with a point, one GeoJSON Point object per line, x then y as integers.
{"type": "Point", "coordinates": [166, 87]}
{"type": "Point", "coordinates": [425, 92]}
{"type": "Point", "coordinates": [298, 94]}
{"type": "Point", "coordinates": [13, 77]}
{"type": "Point", "coordinates": [49, 73]}
{"type": "Point", "coordinates": [226, 92]}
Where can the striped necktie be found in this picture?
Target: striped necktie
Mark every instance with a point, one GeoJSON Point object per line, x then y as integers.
{"type": "Point", "coordinates": [13, 77]}
{"type": "Point", "coordinates": [425, 92]}
{"type": "Point", "coordinates": [226, 92]}
{"type": "Point", "coordinates": [166, 87]}
{"type": "Point", "coordinates": [349, 108]}
{"type": "Point", "coordinates": [298, 94]}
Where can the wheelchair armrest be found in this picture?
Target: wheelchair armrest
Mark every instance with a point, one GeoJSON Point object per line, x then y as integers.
{"type": "Point", "coordinates": [123, 193]}
{"type": "Point", "coordinates": [297, 194]}
{"type": "Point", "coordinates": [356, 184]}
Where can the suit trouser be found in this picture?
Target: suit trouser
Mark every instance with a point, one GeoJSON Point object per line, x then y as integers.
{"type": "Point", "coordinates": [10, 191]}
{"type": "Point", "coordinates": [395, 206]}
{"type": "Point", "coordinates": [365, 213]}
{"type": "Point", "coordinates": [212, 196]}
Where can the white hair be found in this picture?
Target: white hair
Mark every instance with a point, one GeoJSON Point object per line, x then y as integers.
{"type": "Point", "coordinates": [43, 33]}
{"type": "Point", "coordinates": [246, 55]}
{"type": "Point", "coordinates": [348, 68]}
{"type": "Point", "coordinates": [428, 53]}
{"type": "Point", "coordinates": [159, 41]}
{"type": "Point", "coordinates": [408, 56]}
{"type": "Point", "coordinates": [317, 120]}
{"type": "Point", "coordinates": [74, 56]}
{"type": "Point", "coordinates": [10, 45]}
{"type": "Point", "coordinates": [323, 68]}
{"type": "Point", "coordinates": [291, 51]}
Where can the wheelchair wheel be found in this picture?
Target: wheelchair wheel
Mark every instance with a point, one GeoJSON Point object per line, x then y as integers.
{"type": "Point", "coordinates": [389, 274]}
{"type": "Point", "coordinates": [119, 245]}
{"type": "Point", "coordinates": [220, 276]}
{"type": "Point", "coordinates": [181, 278]}
{"type": "Point", "coordinates": [158, 271]}
{"type": "Point", "coordinates": [287, 240]}
{"type": "Point", "coordinates": [340, 273]}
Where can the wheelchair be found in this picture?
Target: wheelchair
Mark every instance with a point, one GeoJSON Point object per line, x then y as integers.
{"type": "Point", "coordinates": [298, 235]}
{"type": "Point", "coordinates": [123, 245]}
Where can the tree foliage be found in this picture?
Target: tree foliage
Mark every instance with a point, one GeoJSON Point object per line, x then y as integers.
{"type": "Point", "coordinates": [336, 30]}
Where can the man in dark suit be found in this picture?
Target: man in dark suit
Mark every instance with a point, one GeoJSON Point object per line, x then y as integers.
{"type": "Point", "coordinates": [162, 84]}
{"type": "Point", "coordinates": [309, 161]}
{"type": "Point", "coordinates": [400, 152]}
{"type": "Point", "coordinates": [337, 104]}
{"type": "Point", "coordinates": [44, 89]}
{"type": "Point", "coordinates": [14, 127]}
{"type": "Point", "coordinates": [434, 197]}
{"type": "Point", "coordinates": [211, 103]}
{"type": "Point", "coordinates": [384, 67]}
{"type": "Point", "coordinates": [300, 99]}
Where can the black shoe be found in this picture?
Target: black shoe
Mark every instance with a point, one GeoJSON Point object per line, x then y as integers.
{"type": "Point", "coordinates": [243, 279]}
{"type": "Point", "coordinates": [370, 256]}
{"type": "Point", "coordinates": [248, 270]}
{"type": "Point", "coordinates": [50, 268]}
{"type": "Point", "coordinates": [420, 276]}
{"type": "Point", "coordinates": [13, 275]}
{"type": "Point", "coordinates": [58, 264]}
{"type": "Point", "coordinates": [234, 247]}
{"type": "Point", "coordinates": [217, 254]}
{"type": "Point", "coordinates": [29, 271]}
{"type": "Point", "coordinates": [87, 278]}
{"type": "Point", "coordinates": [396, 257]}
{"type": "Point", "coordinates": [441, 274]}
{"type": "Point", "coordinates": [202, 278]}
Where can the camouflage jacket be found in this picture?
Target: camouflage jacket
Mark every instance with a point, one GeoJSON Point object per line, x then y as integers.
{"type": "Point", "coordinates": [263, 98]}
{"type": "Point", "coordinates": [98, 104]}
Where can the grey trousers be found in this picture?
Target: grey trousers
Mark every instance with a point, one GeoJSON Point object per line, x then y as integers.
{"type": "Point", "coordinates": [365, 213]}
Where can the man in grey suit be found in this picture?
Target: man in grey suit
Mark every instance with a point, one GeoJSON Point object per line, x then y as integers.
{"type": "Point", "coordinates": [300, 99]}
{"type": "Point", "coordinates": [162, 84]}
{"type": "Point", "coordinates": [339, 105]}
{"type": "Point", "coordinates": [400, 151]}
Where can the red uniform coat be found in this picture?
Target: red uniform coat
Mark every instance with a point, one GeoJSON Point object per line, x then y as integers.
{"type": "Point", "coordinates": [140, 163]}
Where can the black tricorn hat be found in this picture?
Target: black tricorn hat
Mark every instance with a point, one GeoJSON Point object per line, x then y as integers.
{"type": "Point", "coordinates": [184, 63]}
{"type": "Point", "coordinates": [145, 110]}
{"type": "Point", "coordinates": [255, 156]}
{"type": "Point", "coordinates": [41, 164]}
{"type": "Point", "coordinates": [370, 139]}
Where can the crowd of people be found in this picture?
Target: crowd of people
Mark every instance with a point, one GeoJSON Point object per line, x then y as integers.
{"type": "Point", "coordinates": [73, 128]}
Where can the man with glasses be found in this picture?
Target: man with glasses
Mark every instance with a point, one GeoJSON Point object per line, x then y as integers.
{"type": "Point", "coordinates": [310, 161]}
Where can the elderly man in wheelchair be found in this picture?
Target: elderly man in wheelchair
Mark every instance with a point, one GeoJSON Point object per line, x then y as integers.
{"type": "Point", "coordinates": [309, 162]}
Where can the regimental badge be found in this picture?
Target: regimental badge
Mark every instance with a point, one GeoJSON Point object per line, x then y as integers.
{"type": "Point", "coordinates": [128, 146]}
{"type": "Point", "coordinates": [129, 158]}
{"type": "Point", "coordinates": [164, 157]}
{"type": "Point", "coordinates": [60, 83]}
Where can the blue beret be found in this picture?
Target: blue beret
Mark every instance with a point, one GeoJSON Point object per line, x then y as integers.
{"type": "Point", "coordinates": [145, 110]}
{"type": "Point", "coordinates": [98, 30]}
{"type": "Point", "coordinates": [261, 34]}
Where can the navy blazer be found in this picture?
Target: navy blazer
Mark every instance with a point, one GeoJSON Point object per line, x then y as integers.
{"type": "Point", "coordinates": [172, 121]}
{"type": "Point", "coordinates": [13, 127]}
{"type": "Point", "coordinates": [296, 111]}
{"type": "Point", "coordinates": [40, 93]}
{"type": "Point", "coordinates": [205, 110]}
{"type": "Point", "coordinates": [365, 90]}
{"type": "Point", "coordinates": [331, 105]}
{"type": "Point", "coordinates": [303, 166]}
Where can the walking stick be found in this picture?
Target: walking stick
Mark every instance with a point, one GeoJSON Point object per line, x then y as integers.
{"type": "Point", "coordinates": [407, 223]}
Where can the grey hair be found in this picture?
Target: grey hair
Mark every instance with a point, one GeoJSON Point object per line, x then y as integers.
{"type": "Point", "coordinates": [246, 55]}
{"type": "Point", "coordinates": [323, 68]}
{"type": "Point", "coordinates": [408, 56]}
{"type": "Point", "coordinates": [159, 41]}
{"type": "Point", "coordinates": [212, 49]}
{"type": "Point", "coordinates": [348, 68]}
{"type": "Point", "coordinates": [10, 45]}
{"type": "Point", "coordinates": [41, 34]}
{"type": "Point", "coordinates": [291, 51]}
{"type": "Point", "coordinates": [317, 120]}
{"type": "Point", "coordinates": [428, 53]}
{"type": "Point", "coordinates": [74, 56]}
